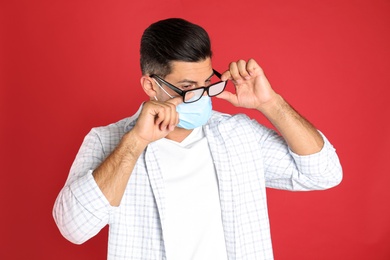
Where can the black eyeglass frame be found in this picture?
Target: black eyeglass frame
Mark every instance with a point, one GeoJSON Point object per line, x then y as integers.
{"type": "Point", "coordinates": [182, 93]}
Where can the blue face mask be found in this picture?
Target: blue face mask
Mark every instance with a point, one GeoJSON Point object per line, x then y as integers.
{"type": "Point", "coordinates": [193, 115]}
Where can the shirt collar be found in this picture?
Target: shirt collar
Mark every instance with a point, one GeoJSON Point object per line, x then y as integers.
{"type": "Point", "coordinates": [133, 119]}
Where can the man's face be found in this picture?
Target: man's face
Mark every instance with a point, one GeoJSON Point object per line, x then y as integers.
{"type": "Point", "coordinates": [186, 76]}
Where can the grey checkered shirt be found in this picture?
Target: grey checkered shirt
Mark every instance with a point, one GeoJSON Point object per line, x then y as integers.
{"type": "Point", "coordinates": [248, 157]}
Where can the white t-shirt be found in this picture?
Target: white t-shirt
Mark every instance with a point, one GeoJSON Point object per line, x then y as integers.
{"type": "Point", "coordinates": [193, 227]}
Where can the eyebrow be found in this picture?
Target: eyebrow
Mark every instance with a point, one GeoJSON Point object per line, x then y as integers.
{"type": "Point", "coordinates": [192, 81]}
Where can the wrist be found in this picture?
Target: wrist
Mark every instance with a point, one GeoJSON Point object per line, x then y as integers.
{"type": "Point", "coordinates": [134, 144]}
{"type": "Point", "coordinates": [274, 104]}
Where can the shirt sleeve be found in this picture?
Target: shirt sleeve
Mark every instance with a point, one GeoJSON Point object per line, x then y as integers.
{"type": "Point", "coordinates": [287, 170]}
{"type": "Point", "coordinates": [81, 210]}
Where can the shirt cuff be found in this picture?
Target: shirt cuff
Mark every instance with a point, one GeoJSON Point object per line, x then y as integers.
{"type": "Point", "coordinates": [314, 164]}
{"type": "Point", "coordinates": [89, 195]}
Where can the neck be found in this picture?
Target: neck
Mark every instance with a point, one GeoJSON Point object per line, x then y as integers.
{"type": "Point", "coordinates": [179, 134]}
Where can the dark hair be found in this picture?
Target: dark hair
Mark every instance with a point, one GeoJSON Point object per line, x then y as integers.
{"type": "Point", "coordinates": [173, 39]}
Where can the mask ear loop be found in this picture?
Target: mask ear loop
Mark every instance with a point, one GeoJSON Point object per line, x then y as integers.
{"type": "Point", "coordinates": [155, 98]}
{"type": "Point", "coordinates": [162, 89]}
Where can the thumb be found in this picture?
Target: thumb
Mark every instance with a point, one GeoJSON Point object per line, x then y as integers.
{"type": "Point", "coordinates": [228, 96]}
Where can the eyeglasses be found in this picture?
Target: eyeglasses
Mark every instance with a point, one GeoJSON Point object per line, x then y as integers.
{"type": "Point", "coordinates": [212, 90]}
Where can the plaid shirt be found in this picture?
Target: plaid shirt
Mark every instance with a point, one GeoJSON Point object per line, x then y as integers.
{"type": "Point", "coordinates": [248, 157]}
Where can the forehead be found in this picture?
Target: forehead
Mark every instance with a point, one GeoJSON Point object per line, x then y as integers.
{"type": "Point", "coordinates": [190, 70]}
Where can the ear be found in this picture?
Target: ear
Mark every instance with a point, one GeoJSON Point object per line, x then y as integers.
{"type": "Point", "coordinates": [148, 86]}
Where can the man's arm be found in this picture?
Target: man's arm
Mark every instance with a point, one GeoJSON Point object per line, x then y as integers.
{"type": "Point", "coordinates": [96, 184]}
{"type": "Point", "coordinates": [156, 120]}
{"type": "Point", "coordinates": [114, 173]}
{"type": "Point", "coordinates": [300, 134]}
{"type": "Point", "coordinates": [316, 165]}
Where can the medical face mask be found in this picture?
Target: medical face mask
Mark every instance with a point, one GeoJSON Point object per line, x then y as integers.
{"type": "Point", "coordinates": [192, 115]}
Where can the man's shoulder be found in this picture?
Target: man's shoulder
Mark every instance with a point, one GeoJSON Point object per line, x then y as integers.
{"type": "Point", "coordinates": [237, 123]}
{"type": "Point", "coordinates": [118, 128]}
{"type": "Point", "coordinates": [219, 118]}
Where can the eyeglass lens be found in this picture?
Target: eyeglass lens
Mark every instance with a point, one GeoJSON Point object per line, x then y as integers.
{"type": "Point", "coordinates": [213, 90]}
{"type": "Point", "coordinates": [216, 88]}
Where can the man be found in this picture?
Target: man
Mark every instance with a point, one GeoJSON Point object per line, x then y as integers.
{"type": "Point", "coordinates": [180, 181]}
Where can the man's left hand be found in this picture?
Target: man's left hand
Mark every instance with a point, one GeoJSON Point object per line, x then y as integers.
{"type": "Point", "coordinates": [253, 89]}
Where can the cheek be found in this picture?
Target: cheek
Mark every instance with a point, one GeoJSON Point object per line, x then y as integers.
{"type": "Point", "coordinates": [162, 96]}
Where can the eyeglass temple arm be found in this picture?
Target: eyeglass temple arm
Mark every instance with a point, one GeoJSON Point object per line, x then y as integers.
{"type": "Point", "coordinates": [219, 75]}
{"type": "Point", "coordinates": [177, 90]}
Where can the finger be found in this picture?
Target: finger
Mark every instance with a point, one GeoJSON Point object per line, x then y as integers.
{"type": "Point", "coordinates": [159, 112]}
{"type": "Point", "coordinates": [174, 116]}
{"type": "Point", "coordinates": [242, 69]}
{"type": "Point", "coordinates": [175, 101]}
{"type": "Point", "coordinates": [233, 68]}
{"type": "Point", "coordinates": [166, 122]}
{"type": "Point", "coordinates": [253, 68]}
{"type": "Point", "coordinates": [226, 76]}
{"type": "Point", "coordinates": [171, 117]}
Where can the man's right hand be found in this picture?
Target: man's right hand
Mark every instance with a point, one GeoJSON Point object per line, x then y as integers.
{"type": "Point", "coordinates": [156, 120]}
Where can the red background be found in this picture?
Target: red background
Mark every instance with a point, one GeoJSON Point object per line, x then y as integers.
{"type": "Point", "coordinates": [67, 66]}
